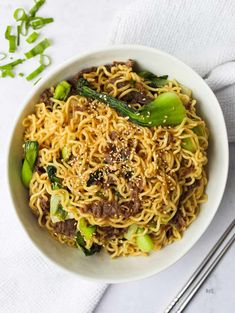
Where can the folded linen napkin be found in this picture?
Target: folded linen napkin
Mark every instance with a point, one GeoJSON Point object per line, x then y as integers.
{"type": "Point", "coordinates": [200, 33]}
{"type": "Point", "coordinates": [28, 283]}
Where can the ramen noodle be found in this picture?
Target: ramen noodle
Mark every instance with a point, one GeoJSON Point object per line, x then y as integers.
{"type": "Point", "coordinates": [103, 181]}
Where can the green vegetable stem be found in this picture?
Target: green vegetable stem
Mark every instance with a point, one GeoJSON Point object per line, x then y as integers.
{"type": "Point", "coordinates": [144, 242]}
{"type": "Point", "coordinates": [56, 182]}
{"type": "Point", "coordinates": [86, 230]}
{"type": "Point", "coordinates": [167, 109]}
{"type": "Point", "coordinates": [31, 153]}
{"type": "Point", "coordinates": [81, 243]}
{"type": "Point", "coordinates": [56, 209]}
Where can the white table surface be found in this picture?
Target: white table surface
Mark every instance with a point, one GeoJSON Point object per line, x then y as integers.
{"type": "Point", "coordinates": [82, 25]}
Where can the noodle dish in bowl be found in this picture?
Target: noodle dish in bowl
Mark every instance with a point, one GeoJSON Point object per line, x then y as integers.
{"type": "Point", "coordinates": [116, 159]}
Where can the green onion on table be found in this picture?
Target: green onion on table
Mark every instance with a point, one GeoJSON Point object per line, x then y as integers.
{"type": "Point", "coordinates": [38, 49]}
{"type": "Point", "coordinates": [32, 37]}
{"type": "Point", "coordinates": [26, 21]}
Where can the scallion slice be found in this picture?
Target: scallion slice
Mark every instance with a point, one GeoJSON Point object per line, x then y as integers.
{"type": "Point", "coordinates": [7, 72]}
{"type": "Point", "coordinates": [35, 72]}
{"type": "Point", "coordinates": [8, 32]}
{"type": "Point", "coordinates": [24, 27]}
{"type": "Point", "coordinates": [32, 37]}
{"type": "Point", "coordinates": [44, 62]}
{"type": "Point", "coordinates": [11, 64]}
{"type": "Point", "coordinates": [36, 7]}
{"type": "Point", "coordinates": [39, 22]}
{"type": "Point", "coordinates": [12, 44]}
{"type": "Point", "coordinates": [18, 35]}
{"type": "Point", "coordinates": [38, 49]}
{"type": "Point", "coordinates": [20, 15]}
{"type": "Point", "coordinates": [11, 39]}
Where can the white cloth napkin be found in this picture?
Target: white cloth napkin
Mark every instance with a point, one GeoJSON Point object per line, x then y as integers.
{"type": "Point", "coordinates": [29, 283]}
{"type": "Point", "coordinates": [199, 32]}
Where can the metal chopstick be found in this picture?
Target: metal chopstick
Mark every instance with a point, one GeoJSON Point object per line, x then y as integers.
{"type": "Point", "coordinates": [200, 268]}
{"type": "Point", "coordinates": [205, 275]}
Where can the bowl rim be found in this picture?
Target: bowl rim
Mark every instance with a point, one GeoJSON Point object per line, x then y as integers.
{"type": "Point", "coordinates": [53, 71]}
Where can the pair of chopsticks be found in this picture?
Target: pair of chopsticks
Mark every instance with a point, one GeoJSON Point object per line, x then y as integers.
{"type": "Point", "coordinates": [186, 294]}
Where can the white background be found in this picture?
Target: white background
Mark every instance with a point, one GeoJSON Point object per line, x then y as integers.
{"type": "Point", "coordinates": [81, 26]}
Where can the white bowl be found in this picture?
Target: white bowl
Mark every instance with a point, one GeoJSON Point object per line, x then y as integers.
{"type": "Point", "coordinates": [101, 267]}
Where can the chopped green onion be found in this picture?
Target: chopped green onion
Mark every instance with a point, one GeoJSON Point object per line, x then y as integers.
{"type": "Point", "coordinates": [36, 72]}
{"type": "Point", "coordinates": [38, 49]}
{"type": "Point", "coordinates": [36, 7]}
{"type": "Point", "coordinates": [62, 90]}
{"type": "Point", "coordinates": [18, 35]}
{"type": "Point", "coordinates": [39, 22]}
{"type": "Point", "coordinates": [41, 67]}
{"type": "Point", "coordinates": [21, 74]}
{"type": "Point", "coordinates": [86, 230]}
{"type": "Point", "coordinates": [11, 39]}
{"type": "Point", "coordinates": [20, 15]}
{"type": "Point", "coordinates": [24, 27]}
{"type": "Point", "coordinates": [32, 37]}
{"type": "Point", "coordinates": [144, 242]}
{"type": "Point", "coordinates": [2, 56]}
{"type": "Point", "coordinates": [7, 72]}
{"type": "Point", "coordinates": [8, 32]}
{"type": "Point", "coordinates": [45, 60]}
{"type": "Point", "coordinates": [131, 231]}
{"type": "Point", "coordinates": [11, 64]}
{"type": "Point", "coordinates": [12, 43]}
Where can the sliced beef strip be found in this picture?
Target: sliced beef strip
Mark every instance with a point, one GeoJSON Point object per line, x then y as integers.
{"type": "Point", "coordinates": [120, 84]}
{"type": "Point", "coordinates": [86, 71]}
{"type": "Point", "coordinates": [136, 97]}
{"type": "Point", "coordinates": [178, 220]}
{"type": "Point", "coordinates": [170, 138]}
{"type": "Point", "coordinates": [67, 227]}
{"type": "Point", "coordinates": [110, 209]}
{"type": "Point", "coordinates": [45, 206]}
{"type": "Point", "coordinates": [109, 232]}
{"type": "Point", "coordinates": [73, 81]}
{"type": "Point", "coordinates": [45, 97]}
{"type": "Point", "coordinates": [113, 135]}
{"type": "Point", "coordinates": [39, 169]}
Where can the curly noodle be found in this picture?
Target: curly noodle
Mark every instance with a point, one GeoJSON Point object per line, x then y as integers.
{"type": "Point", "coordinates": [167, 180]}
